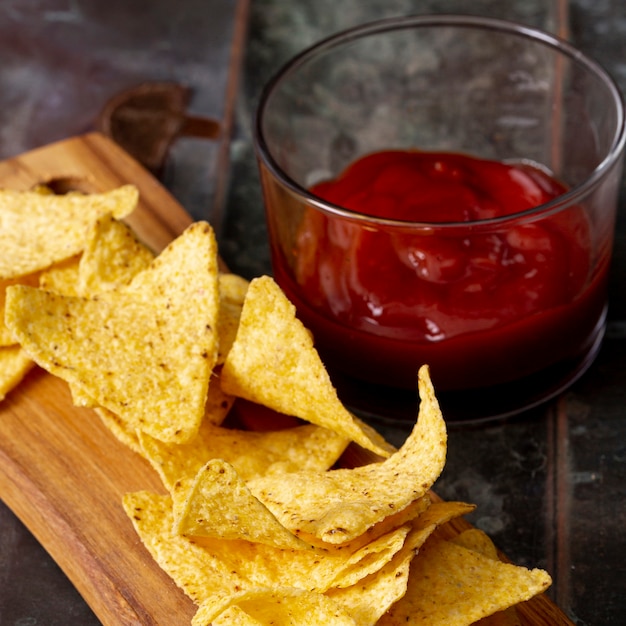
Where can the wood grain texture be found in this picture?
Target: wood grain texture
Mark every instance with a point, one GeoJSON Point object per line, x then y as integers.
{"type": "Point", "coordinates": [62, 472]}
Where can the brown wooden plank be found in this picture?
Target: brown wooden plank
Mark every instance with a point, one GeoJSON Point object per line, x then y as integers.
{"type": "Point", "coordinates": [62, 472]}
{"type": "Point", "coordinates": [64, 475]}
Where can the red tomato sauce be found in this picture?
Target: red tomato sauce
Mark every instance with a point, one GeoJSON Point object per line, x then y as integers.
{"type": "Point", "coordinates": [481, 306]}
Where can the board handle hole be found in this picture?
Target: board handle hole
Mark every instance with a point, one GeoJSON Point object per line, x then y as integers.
{"type": "Point", "coordinates": [67, 184]}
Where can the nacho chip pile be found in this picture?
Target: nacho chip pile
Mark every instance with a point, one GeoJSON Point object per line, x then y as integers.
{"type": "Point", "coordinates": [39, 231]}
{"type": "Point", "coordinates": [256, 527]}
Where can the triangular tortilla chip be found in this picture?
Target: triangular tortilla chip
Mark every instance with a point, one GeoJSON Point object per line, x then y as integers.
{"type": "Point", "coordinates": [37, 230]}
{"type": "Point", "coordinates": [339, 505]}
{"type": "Point", "coordinates": [191, 567]}
{"type": "Point", "coordinates": [14, 365]}
{"type": "Point", "coordinates": [233, 290]}
{"type": "Point", "coordinates": [113, 255]}
{"type": "Point", "coordinates": [62, 277]}
{"type": "Point", "coordinates": [144, 352]}
{"type": "Point", "coordinates": [273, 362]}
{"type": "Point", "coordinates": [251, 564]}
{"type": "Point", "coordinates": [220, 505]}
{"type": "Point", "coordinates": [477, 540]}
{"type": "Point", "coordinates": [6, 337]}
{"type": "Point", "coordinates": [273, 605]}
{"type": "Point", "coordinates": [250, 453]}
{"type": "Point", "coordinates": [371, 596]}
{"type": "Point", "coordinates": [449, 584]}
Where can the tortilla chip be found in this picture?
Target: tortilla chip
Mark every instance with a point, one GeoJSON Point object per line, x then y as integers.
{"type": "Point", "coordinates": [233, 291]}
{"type": "Point", "coordinates": [38, 230]}
{"type": "Point", "coordinates": [113, 255]}
{"type": "Point", "coordinates": [233, 288]}
{"type": "Point", "coordinates": [395, 520]}
{"type": "Point", "coordinates": [478, 541]}
{"type": "Point", "coordinates": [250, 453]}
{"type": "Point", "coordinates": [81, 398]}
{"type": "Point", "coordinates": [313, 570]}
{"type": "Point", "coordinates": [449, 584]}
{"type": "Point", "coordinates": [356, 595]}
{"type": "Point", "coordinates": [117, 426]}
{"type": "Point", "coordinates": [6, 337]}
{"type": "Point", "coordinates": [220, 505]}
{"type": "Point", "coordinates": [198, 564]}
{"type": "Point", "coordinates": [339, 505]}
{"type": "Point", "coordinates": [190, 566]}
{"type": "Point", "coordinates": [274, 605]}
{"type": "Point", "coordinates": [372, 596]}
{"type": "Point", "coordinates": [135, 439]}
{"type": "Point", "coordinates": [62, 277]}
{"type": "Point", "coordinates": [218, 403]}
{"type": "Point", "coordinates": [273, 362]}
{"type": "Point", "coordinates": [144, 352]}
{"type": "Point", "coordinates": [14, 365]}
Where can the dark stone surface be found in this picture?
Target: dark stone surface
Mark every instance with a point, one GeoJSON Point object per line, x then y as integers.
{"type": "Point", "coordinates": [62, 61]}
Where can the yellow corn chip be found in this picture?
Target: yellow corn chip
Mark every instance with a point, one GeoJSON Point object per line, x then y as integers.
{"type": "Point", "coordinates": [273, 362]}
{"type": "Point", "coordinates": [233, 290]}
{"type": "Point", "coordinates": [250, 453]}
{"type": "Point", "coordinates": [218, 403]}
{"type": "Point", "coordinates": [254, 564]}
{"type": "Point", "coordinates": [197, 565]}
{"type": "Point", "coordinates": [220, 505]}
{"type": "Point", "coordinates": [274, 605]}
{"type": "Point", "coordinates": [360, 562]}
{"type": "Point", "coordinates": [478, 541]}
{"type": "Point", "coordinates": [372, 596]}
{"type": "Point", "coordinates": [144, 352]}
{"type": "Point", "coordinates": [80, 397]}
{"type": "Point", "coordinates": [37, 230]}
{"type": "Point", "coordinates": [6, 337]}
{"type": "Point", "coordinates": [112, 257]}
{"type": "Point", "coordinates": [190, 566]}
{"type": "Point", "coordinates": [439, 513]}
{"type": "Point", "coordinates": [405, 516]}
{"type": "Point", "coordinates": [14, 365]}
{"type": "Point", "coordinates": [449, 584]}
{"type": "Point", "coordinates": [313, 570]}
{"type": "Point", "coordinates": [339, 505]}
{"type": "Point", "coordinates": [62, 277]}
{"type": "Point", "coordinates": [232, 616]}
{"type": "Point", "coordinates": [157, 452]}
{"type": "Point", "coordinates": [115, 424]}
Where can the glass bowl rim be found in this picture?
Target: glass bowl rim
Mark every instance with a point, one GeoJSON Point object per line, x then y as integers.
{"type": "Point", "coordinates": [571, 197]}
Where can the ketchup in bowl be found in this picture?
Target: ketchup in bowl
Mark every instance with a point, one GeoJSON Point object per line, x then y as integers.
{"type": "Point", "coordinates": [493, 273]}
{"type": "Point", "coordinates": [476, 289]}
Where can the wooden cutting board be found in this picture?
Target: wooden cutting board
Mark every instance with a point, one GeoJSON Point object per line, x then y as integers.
{"type": "Point", "coordinates": [61, 471]}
